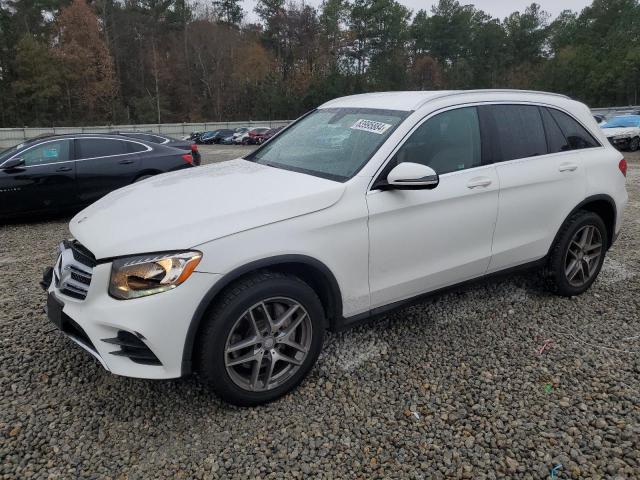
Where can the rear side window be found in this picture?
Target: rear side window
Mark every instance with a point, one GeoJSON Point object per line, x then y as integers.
{"type": "Point", "coordinates": [99, 147]}
{"type": "Point", "coordinates": [448, 142]}
{"type": "Point", "coordinates": [147, 137]}
{"type": "Point", "coordinates": [555, 138]}
{"type": "Point", "coordinates": [519, 132]}
{"type": "Point", "coordinates": [133, 147]}
{"type": "Point", "coordinates": [576, 134]}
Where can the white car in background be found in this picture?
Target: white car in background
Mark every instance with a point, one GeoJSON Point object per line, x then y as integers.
{"type": "Point", "coordinates": [235, 270]}
{"type": "Point", "coordinates": [623, 132]}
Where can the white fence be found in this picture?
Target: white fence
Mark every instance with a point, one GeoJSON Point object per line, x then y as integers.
{"type": "Point", "coordinates": [12, 136]}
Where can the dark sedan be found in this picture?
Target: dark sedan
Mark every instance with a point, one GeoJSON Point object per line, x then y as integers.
{"type": "Point", "coordinates": [186, 145]}
{"type": "Point", "coordinates": [216, 136]}
{"type": "Point", "coordinates": [67, 172]}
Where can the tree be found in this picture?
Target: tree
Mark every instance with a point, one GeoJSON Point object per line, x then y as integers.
{"type": "Point", "coordinates": [229, 11]}
{"type": "Point", "coordinates": [37, 86]}
{"type": "Point", "coordinates": [86, 64]}
{"type": "Point", "coordinates": [380, 31]}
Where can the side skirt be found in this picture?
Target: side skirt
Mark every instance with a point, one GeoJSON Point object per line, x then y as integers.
{"type": "Point", "coordinates": [343, 323]}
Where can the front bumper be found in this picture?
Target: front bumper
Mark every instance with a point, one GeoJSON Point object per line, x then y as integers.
{"type": "Point", "coordinates": [143, 337]}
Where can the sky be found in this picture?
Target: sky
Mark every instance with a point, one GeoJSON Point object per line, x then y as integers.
{"type": "Point", "coordinates": [496, 8]}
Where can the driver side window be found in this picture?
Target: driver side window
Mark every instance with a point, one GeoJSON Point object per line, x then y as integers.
{"type": "Point", "coordinates": [49, 152]}
{"type": "Point", "coordinates": [448, 142]}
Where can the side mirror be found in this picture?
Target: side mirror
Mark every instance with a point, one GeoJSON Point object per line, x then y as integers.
{"type": "Point", "coordinates": [412, 176]}
{"type": "Point", "coordinates": [13, 163]}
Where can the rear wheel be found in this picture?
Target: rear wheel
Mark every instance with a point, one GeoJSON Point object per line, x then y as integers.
{"type": "Point", "coordinates": [634, 144]}
{"type": "Point", "coordinates": [578, 254]}
{"type": "Point", "coordinates": [261, 339]}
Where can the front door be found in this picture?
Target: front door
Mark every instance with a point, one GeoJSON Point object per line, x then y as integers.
{"type": "Point", "coordinates": [45, 182]}
{"type": "Point", "coordinates": [422, 240]}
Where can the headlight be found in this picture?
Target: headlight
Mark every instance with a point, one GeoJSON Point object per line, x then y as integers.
{"type": "Point", "coordinates": [143, 275]}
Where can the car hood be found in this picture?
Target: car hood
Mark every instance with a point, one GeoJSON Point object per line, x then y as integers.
{"type": "Point", "coordinates": [614, 132]}
{"type": "Point", "coordinates": [181, 210]}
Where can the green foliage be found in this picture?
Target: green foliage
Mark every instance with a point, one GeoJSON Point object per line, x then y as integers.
{"type": "Point", "coordinates": [37, 85]}
{"type": "Point", "coordinates": [137, 60]}
{"type": "Point", "coordinates": [229, 11]}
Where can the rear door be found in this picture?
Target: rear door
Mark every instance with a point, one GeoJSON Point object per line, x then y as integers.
{"type": "Point", "coordinates": [46, 181]}
{"type": "Point", "coordinates": [104, 165]}
{"type": "Point", "coordinates": [541, 179]}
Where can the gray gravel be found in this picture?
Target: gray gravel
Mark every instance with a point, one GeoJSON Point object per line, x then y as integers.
{"type": "Point", "coordinates": [451, 388]}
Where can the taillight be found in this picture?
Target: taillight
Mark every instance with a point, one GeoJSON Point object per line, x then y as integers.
{"type": "Point", "coordinates": [187, 157]}
{"type": "Point", "coordinates": [623, 167]}
{"type": "Point", "coordinates": [194, 147]}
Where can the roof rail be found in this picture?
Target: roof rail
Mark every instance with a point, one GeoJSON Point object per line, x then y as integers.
{"type": "Point", "coordinates": [452, 93]}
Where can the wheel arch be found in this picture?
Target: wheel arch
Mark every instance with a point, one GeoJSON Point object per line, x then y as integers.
{"type": "Point", "coordinates": [145, 172]}
{"type": "Point", "coordinates": [309, 269]}
{"type": "Point", "coordinates": [602, 205]}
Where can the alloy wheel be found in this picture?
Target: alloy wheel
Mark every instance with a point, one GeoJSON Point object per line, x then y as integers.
{"type": "Point", "coordinates": [267, 344]}
{"type": "Point", "coordinates": [583, 255]}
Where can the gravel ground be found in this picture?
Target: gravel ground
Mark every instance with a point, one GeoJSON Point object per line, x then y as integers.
{"type": "Point", "coordinates": [450, 388]}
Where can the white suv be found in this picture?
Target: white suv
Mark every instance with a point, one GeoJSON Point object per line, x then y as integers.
{"type": "Point", "coordinates": [235, 270]}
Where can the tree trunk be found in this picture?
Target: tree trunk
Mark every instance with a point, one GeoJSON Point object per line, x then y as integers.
{"type": "Point", "coordinates": [155, 74]}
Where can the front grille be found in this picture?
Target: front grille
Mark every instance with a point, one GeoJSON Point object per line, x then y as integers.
{"type": "Point", "coordinates": [133, 348]}
{"type": "Point", "coordinates": [82, 254]}
{"type": "Point", "coordinates": [74, 269]}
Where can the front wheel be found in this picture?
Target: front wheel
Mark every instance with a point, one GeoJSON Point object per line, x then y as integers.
{"type": "Point", "coordinates": [578, 254]}
{"type": "Point", "coordinates": [261, 338]}
{"type": "Point", "coordinates": [634, 144]}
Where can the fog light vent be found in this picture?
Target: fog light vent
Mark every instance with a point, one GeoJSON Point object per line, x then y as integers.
{"type": "Point", "coordinates": [133, 348]}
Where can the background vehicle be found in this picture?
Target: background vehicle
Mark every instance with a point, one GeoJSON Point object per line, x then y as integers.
{"type": "Point", "coordinates": [623, 132]}
{"type": "Point", "coordinates": [254, 136]}
{"type": "Point", "coordinates": [186, 145]}
{"type": "Point", "coordinates": [237, 135]}
{"type": "Point", "coordinates": [195, 136]}
{"type": "Point", "coordinates": [420, 190]}
{"type": "Point", "coordinates": [216, 136]}
{"type": "Point", "coordinates": [67, 172]}
{"type": "Point", "coordinates": [205, 137]}
{"type": "Point", "coordinates": [227, 140]}
{"type": "Point", "coordinates": [269, 134]}
{"type": "Point", "coordinates": [600, 119]}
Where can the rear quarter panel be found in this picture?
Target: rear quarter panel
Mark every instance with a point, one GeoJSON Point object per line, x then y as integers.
{"type": "Point", "coordinates": [163, 159]}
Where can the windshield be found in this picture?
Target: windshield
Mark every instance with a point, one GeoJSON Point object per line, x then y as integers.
{"type": "Point", "coordinates": [9, 152]}
{"type": "Point", "coordinates": [331, 143]}
{"type": "Point", "coordinates": [623, 122]}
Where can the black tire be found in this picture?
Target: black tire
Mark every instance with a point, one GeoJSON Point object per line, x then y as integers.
{"type": "Point", "coordinates": [556, 275]}
{"type": "Point", "coordinates": [234, 301]}
{"type": "Point", "coordinates": [634, 144]}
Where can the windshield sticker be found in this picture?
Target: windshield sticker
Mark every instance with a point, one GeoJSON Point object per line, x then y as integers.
{"type": "Point", "coordinates": [371, 126]}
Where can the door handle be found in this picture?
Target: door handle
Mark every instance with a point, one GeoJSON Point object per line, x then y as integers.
{"type": "Point", "coordinates": [64, 169]}
{"type": "Point", "coordinates": [568, 167]}
{"type": "Point", "coordinates": [125, 162]}
{"type": "Point", "coordinates": [479, 182]}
